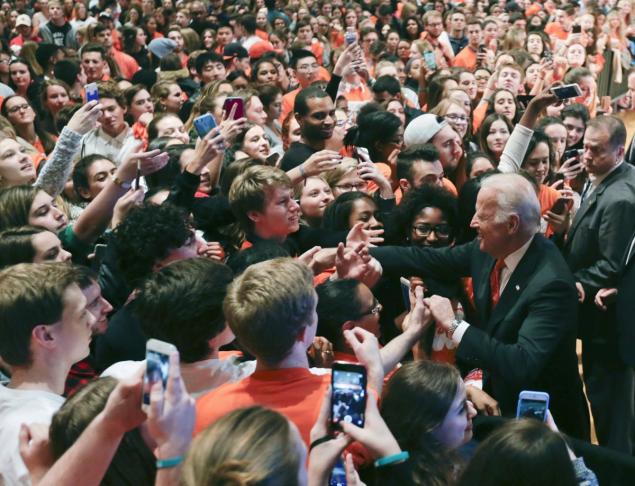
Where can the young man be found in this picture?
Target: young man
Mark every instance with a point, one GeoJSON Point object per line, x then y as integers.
{"type": "Point", "coordinates": [418, 165]}
{"type": "Point", "coordinates": [437, 39]}
{"type": "Point", "coordinates": [315, 113]}
{"type": "Point", "coordinates": [236, 58]}
{"type": "Point", "coordinates": [93, 59]}
{"type": "Point", "coordinates": [271, 310]}
{"type": "Point", "coordinates": [468, 57]}
{"type": "Point", "coordinates": [224, 36]}
{"type": "Point", "coordinates": [174, 33]}
{"type": "Point", "coordinates": [45, 327]}
{"type": "Point", "coordinates": [306, 70]}
{"type": "Point", "coordinates": [458, 40]}
{"type": "Point", "coordinates": [183, 304]}
{"type": "Point", "coordinates": [109, 139]}
{"type": "Point", "coordinates": [387, 88]}
{"type": "Point", "coordinates": [246, 30]}
{"type": "Point", "coordinates": [429, 128]}
{"type": "Point", "coordinates": [57, 30]}
{"type": "Point", "coordinates": [102, 34]}
{"type": "Point", "coordinates": [210, 67]}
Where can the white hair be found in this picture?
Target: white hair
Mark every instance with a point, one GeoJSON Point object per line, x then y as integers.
{"type": "Point", "coordinates": [515, 195]}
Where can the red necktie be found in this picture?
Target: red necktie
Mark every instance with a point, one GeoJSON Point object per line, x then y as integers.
{"type": "Point", "coordinates": [494, 282]}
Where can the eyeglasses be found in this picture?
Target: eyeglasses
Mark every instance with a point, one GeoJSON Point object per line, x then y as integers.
{"type": "Point", "coordinates": [373, 311]}
{"type": "Point", "coordinates": [457, 118]}
{"type": "Point", "coordinates": [441, 230]}
{"type": "Point", "coordinates": [17, 108]}
{"type": "Point", "coordinates": [352, 187]}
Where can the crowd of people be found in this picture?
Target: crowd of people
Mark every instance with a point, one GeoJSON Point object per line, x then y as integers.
{"type": "Point", "coordinates": [396, 184]}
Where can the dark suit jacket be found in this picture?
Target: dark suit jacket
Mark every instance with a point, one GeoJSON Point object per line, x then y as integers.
{"type": "Point", "coordinates": [528, 341]}
{"type": "Point", "coordinates": [625, 309]}
{"type": "Point", "coordinates": [595, 247]}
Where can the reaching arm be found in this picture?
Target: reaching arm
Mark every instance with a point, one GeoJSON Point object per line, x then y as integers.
{"type": "Point", "coordinates": [58, 168]}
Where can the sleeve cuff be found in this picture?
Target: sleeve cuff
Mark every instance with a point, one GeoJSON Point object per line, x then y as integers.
{"type": "Point", "coordinates": [459, 332]}
{"type": "Point", "coordinates": [73, 136]}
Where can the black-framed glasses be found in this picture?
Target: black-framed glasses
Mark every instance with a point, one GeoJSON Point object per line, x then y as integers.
{"type": "Point", "coordinates": [442, 230]}
{"type": "Point", "coordinates": [373, 311]}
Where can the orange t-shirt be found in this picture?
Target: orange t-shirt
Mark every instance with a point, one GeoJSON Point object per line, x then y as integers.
{"type": "Point", "coordinates": [466, 58]}
{"type": "Point", "coordinates": [547, 197]}
{"type": "Point", "coordinates": [287, 103]}
{"type": "Point", "coordinates": [296, 393]}
{"type": "Point", "coordinates": [127, 64]}
{"type": "Point", "coordinates": [554, 29]}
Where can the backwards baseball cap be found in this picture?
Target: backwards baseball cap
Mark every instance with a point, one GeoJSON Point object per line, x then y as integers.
{"type": "Point", "coordinates": [423, 128]}
{"type": "Point", "coordinates": [234, 50]}
{"type": "Point", "coordinates": [23, 19]}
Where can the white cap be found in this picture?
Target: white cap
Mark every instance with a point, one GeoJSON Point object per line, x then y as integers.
{"type": "Point", "coordinates": [422, 129]}
{"type": "Point", "coordinates": [23, 19]}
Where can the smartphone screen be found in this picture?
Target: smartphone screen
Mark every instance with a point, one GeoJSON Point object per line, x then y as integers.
{"type": "Point", "coordinates": [338, 475]}
{"type": "Point", "coordinates": [350, 37]}
{"type": "Point", "coordinates": [92, 92]}
{"type": "Point", "coordinates": [566, 92]}
{"type": "Point", "coordinates": [532, 404]}
{"type": "Point", "coordinates": [560, 206]}
{"type": "Point", "coordinates": [430, 59]}
{"type": "Point", "coordinates": [348, 399]}
{"type": "Point", "coordinates": [157, 368]}
{"type": "Point", "coordinates": [240, 107]}
{"type": "Point", "coordinates": [569, 154]}
{"type": "Point", "coordinates": [576, 29]}
{"type": "Point", "coordinates": [204, 124]}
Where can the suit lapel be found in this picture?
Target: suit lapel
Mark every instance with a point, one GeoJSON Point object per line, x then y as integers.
{"type": "Point", "coordinates": [515, 286]}
{"type": "Point", "coordinates": [482, 290]}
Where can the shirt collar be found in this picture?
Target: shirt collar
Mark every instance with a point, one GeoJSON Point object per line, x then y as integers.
{"type": "Point", "coordinates": [597, 180]}
{"type": "Point", "coordinates": [513, 259]}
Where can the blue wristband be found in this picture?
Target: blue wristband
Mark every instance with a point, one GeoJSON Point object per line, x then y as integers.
{"type": "Point", "coordinates": [394, 459]}
{"type": "Point", "coordinates": [170, 462]}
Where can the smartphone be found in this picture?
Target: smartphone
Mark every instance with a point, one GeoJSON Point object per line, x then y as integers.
{"type": "Point", "coordinates": [482, 49]}
{"type": "Point", "coordinates": [348, 395]}
{"type": "Point", "coordinates": [240, 107]}
{"type": "Point", "coordinates": [405, 292]}
{"type": "Point", "coordinates": [560, 206]}
{"type": "Point", "coordinates": [549, 56]}
{"type": "Point", "coordinates": [361, 154]}
{"type": "Point", "coordinates": [571, 153]}
{"type": "Point", "coordinates": [350, 37]}
{"type": "Point", "coordinates": [204, 124]}
{"type": "Point", "coordinates": [576, 29]}
{"type": "Point", "coordinates": [430, 59]}
{"type": "Point", "coordinates": [99, 254]}
{"type": "Point", "coordinates": [92, 92]}
{"type": "Point", "coordinates": [567, 91]}
{"type": "Point", "coordinates": [338, 475]}
{"type": "Point", "coordinates": [532, 404]}
{"type": "Point", "coordinates": [137, 176]}
{"type": "Point", "coordinates": [157, 366]}
{"type": "Point", "coordinates": [524, 99]}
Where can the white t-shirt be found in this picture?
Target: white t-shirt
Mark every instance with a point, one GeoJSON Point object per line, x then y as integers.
{"type": "Point", "coordinates": [18, 407]}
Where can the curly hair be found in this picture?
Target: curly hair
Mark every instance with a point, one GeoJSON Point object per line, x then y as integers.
{"type": "Point", "coordinates": [146, 236]}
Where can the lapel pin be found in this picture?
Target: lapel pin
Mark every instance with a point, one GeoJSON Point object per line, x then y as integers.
{"type": "Point", "coordinates": [517, 288]}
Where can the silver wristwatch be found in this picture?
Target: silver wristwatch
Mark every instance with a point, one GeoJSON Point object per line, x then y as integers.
{"type": "Point", "coordinates": [450, 332]}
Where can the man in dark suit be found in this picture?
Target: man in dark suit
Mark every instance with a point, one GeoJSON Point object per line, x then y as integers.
{"type": "Point", "coordinates": [524, 295]}
{"type": "Point", "coordinates": [595, 247]}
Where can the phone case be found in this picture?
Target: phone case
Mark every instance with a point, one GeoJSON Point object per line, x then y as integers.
{"type": "Point", "coordinates": [532, 404]}
{"type": "Point", "coordinates": [92, 92]}
{"type": "Point", "coordinates": [240, 108]}
{"type": "Point", "coordinates": [204, 124]}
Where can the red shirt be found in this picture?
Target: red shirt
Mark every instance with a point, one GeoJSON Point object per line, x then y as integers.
{"type": "Point", "coordinates": [294, 392]}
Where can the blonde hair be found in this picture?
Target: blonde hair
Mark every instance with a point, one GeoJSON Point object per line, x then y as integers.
{"type": "Point", "coordinates": [247, 447]}
{"type": "Point", "coordinates": [250, 189]}
{"type": "Point", "coordinates": [269, 305]}
{"type": "Point", "coordinates": [159, 92]}
{"type": "Point", "coordinates": [444, 105]}
{"type": "Point", "coordinates": [332, 177]}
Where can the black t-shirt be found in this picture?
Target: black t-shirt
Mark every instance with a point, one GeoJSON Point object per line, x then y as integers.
{"type": "Point", "coordinates": [59, 33]}
{"type": "Point", "coordinates": [298, 152]}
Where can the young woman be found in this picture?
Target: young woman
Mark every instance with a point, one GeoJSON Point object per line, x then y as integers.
{"type": "Point", "coordinates": [168, 97]}
{"type": "Point", "coordinates": [22, 79]}
{"type": "Point", "coordinates": [271, 99]}
{"type": "Point", "coordinates": [26, 124]}
{"type": "Point", "coordinates": [504, 103]}
{"type": "Point", "coordinates": [55, 96]}
{"type": "Point", "coordinates": [251, 142]}
{"type": "Point", "coordinates": [350, 208]}
{"type": "Point", "coordinates": [314, 195]}
{"type": "Point", "coordinates": [167, 125]}
{"type": "Point", "coordinates": [493, 135]}
{"type": "Point", "coordinates": [426, 408]}
{"type": "Point", "coordinates": [139, 102]}
{"type": "Point", "coordinates": [28, 244]}
{"type": "Point", "coordinates": [135, 41]}
{"type": "Point", "coordinates": [264, 72]}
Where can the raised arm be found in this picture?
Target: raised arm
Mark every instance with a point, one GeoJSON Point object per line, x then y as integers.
{"type": "Point", "coordinates": [59, 166]}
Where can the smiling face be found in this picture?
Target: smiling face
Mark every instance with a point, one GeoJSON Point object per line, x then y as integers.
{"type": "Point", "coordinates": [319, 122]}
{"type": "Point", "coordinates": [280, 215]}
{"type": "Point", "coordinates": [537, 162]}
{"type": "Point", "coordinates": [267, 73]}
{"type": "Point", "coordinates": [316, 195]}
{"type": "Point", "coordinates": [456, 428]}
{"type": "Point", "coordinates": [16, 167]}
{"type": "Point", "coordinates": [256, 144]}
{"type": "Point", "coordinates": [430, 228]}
{"type": "Point", "coordinates": [364, 211]}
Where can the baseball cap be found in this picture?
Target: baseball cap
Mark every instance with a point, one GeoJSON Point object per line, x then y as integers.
{"type": "Point", "coordinates": [234, 50]}
{"type": "Point", "coordinates": [23, 19]}
{"type": "Point", "coordinates": [259, 49]}
{"type": "Point", "coordinates": [423, 128]}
